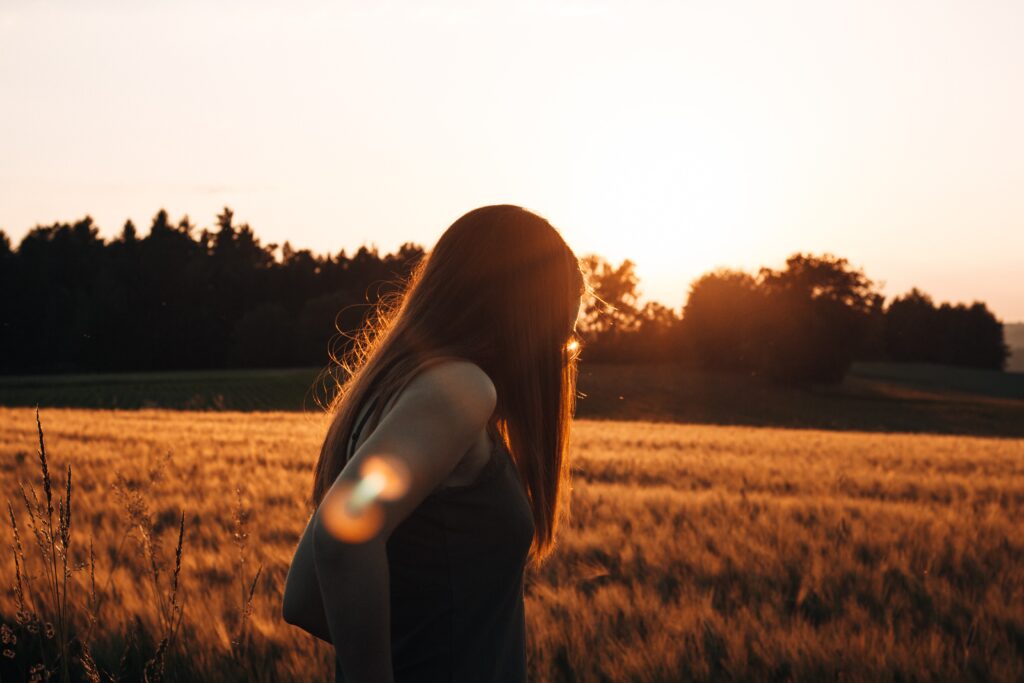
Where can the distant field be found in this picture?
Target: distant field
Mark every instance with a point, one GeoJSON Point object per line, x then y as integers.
{"type": "Point", "coordinates": [696, 552]}
{"type": "Point", "coordinates": [945, 378]}
{"type": "Point", "coordinates": [276, 389]}
{"type": "Point", "coordinates": [874, 397]}
{"type": "Point", "coordinates": [1016, 361]}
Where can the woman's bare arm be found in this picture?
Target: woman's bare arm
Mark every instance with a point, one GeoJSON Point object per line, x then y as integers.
{"type": "Point", "coordinates": [434, 421]}
{"type": "Point", "coordinates": [354, 585]}
{"type": "Point", "coordinates": [302, 605]}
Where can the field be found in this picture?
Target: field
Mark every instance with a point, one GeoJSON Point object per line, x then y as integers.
{"type": "Point", "coordinates": [696, 551]}
{"type": "Point", "coordinates": [874, 397]}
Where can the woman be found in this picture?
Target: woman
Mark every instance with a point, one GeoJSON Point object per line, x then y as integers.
{"type": "Point", "coordinates": [466, 383]}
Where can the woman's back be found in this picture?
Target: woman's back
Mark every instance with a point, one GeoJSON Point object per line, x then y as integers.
{"type": "Point", "coordinates": [456, 568]}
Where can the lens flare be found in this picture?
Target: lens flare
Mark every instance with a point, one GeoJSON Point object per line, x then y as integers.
{"type": "Point", "coordinates": [351, 511]}
{"type": "Point", "coordinates": [348, 521]}
{"type": "Point", "coordinates": [389, 474]}
{"type": "Point", "coordinates": [572, 346]}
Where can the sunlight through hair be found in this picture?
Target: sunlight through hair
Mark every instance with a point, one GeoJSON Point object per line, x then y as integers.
{"type": "Point", "coordinates": [500, 289]}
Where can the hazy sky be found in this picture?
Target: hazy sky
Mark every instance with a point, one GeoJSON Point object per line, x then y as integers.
{"type": "Point", "coordinates": [683, 136]}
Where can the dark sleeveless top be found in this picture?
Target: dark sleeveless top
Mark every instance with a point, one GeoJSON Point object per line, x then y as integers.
{"type": "Point", "coordinates": [456, 579]}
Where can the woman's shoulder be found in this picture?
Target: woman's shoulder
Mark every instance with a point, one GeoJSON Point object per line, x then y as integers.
{"type": "Point", "coordinates": [454, 378]}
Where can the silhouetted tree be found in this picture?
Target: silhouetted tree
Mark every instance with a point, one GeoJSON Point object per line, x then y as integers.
{"type": "Point", "coordinates": [819, 312]}
{"type": "Point", "coordinates": [657, 337]}
{"type": "Point", "coordinates": [263, 338]}
{"type": "Point", "coordinates": [179, 297]}
{"type": "Point", "coordinates": [324, 319]}
{"type": "Point", "coordinates": [723, 325]}
{"type": "Point", "coordinates": [189, 297]}
{"type": "Point", "coordinates": [54, 278]}
{"type": "Point", "coordinates": [911, 327]}
{"type": "Point", "coordinates": [610, 316]}
{"type": "Point", "coordinates": [918, 331]}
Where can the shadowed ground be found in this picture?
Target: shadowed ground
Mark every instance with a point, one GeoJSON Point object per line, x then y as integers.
{"type": "Point", "coordinates": [874, 396]}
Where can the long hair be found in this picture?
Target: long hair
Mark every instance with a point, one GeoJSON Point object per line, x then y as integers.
{"type": "Point", "coordinates": [502, 289]}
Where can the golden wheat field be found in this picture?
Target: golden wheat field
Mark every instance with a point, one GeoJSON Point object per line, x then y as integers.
{"type": "Point", "coordinates": [693, 553]}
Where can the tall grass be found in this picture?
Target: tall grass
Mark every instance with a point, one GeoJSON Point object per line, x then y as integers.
{"type": "Point", "coordinates": [58, 612]}
{"type": "Point", "coordinates": [694, 552]}
{"type": "Point", "coordinates": [43, 618]}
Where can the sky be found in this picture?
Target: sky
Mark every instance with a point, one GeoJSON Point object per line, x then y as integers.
{"type": "Point", "coordinates": [683, 136]}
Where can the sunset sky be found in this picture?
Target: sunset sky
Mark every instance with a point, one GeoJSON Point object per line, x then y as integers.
{"type": "Point", "coordinates": [683, 136]}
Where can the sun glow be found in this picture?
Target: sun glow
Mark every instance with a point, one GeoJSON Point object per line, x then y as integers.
{"type": "Point", "coordinates": [676, 195]}
{"type": "Point", "coordinates": [681, 136]}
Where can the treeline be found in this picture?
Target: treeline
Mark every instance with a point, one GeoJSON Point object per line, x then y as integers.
{"type": "Point", "coordinates": [187, 298]}
{"type": "Point", "coordinates": [179, 298]}
{"type": "Point", "coordinates": [805, 322]}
